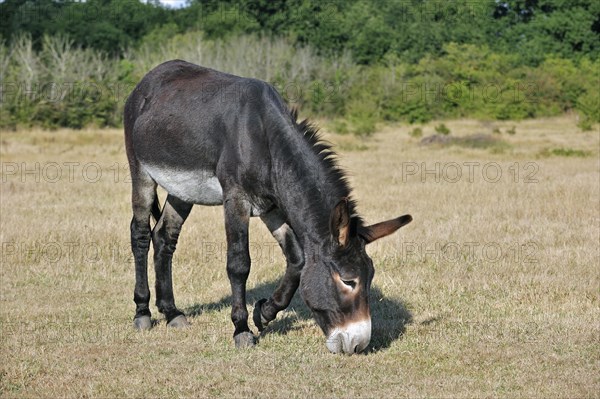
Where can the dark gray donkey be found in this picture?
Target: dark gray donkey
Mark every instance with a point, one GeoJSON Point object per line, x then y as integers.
{"type": "Point", "coordinates": [211, 138]}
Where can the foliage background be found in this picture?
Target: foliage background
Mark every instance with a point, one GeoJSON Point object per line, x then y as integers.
{"type": "Point", "coordinates": [358, 62]}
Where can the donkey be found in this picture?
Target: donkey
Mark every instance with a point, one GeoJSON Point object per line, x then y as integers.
{"type": "Point", "coordinates": [212, 138]}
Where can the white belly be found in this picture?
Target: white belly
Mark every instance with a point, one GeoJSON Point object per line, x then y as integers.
{"type": "Point", "coordinates": [197, 187]}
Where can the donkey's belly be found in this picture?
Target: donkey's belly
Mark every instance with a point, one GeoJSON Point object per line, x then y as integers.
{"type": "Point", "coordinates": [194, 186]}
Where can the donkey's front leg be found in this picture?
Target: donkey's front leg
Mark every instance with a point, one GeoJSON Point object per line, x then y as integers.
{"type": "Point", "coordinates": [265, 310]}
{"type": "Point", "coordinates": [237, 217]}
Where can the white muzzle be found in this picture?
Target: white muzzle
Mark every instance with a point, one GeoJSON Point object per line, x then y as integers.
{"type": "Point", "coordinates": [351, 338]}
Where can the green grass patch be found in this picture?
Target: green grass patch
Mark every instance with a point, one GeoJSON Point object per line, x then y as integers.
{"type": "Point", "coordinates": [416, 132]}
{"type": "Point", "coordinates": [352, 147]}
{"type": "Point", "coordinates": [442, 129]}
{"type": "Point", "coordinates": [564, 152]}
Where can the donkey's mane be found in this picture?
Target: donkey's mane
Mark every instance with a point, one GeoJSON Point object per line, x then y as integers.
{"type": "Point", "coordinates": [336, 176]}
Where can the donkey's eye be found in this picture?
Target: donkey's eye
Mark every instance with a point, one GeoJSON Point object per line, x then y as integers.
{"type": "Point", "coordinates": [350, 283]}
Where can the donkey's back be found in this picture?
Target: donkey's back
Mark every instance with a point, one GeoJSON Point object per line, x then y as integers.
{"type": "Point", "coordinates": [184, 122]}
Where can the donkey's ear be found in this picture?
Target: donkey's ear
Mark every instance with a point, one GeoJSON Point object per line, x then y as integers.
{"type": "Point", "coordinates": [339, 223]}
{"type": "Point", "coordinates": [378, 230]}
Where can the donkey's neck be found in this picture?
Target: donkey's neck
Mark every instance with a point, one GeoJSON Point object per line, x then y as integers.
{"type": "Point", "coordinates": [307, 187]}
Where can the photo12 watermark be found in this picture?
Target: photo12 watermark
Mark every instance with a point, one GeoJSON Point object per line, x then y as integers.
{"type": "Point", "coordinates": [64, 172]}
{"type": "Point", "coordinates": [469, 92]}
{"type": "Point", "coordinates": [471, 252]}
{"type": "Point", "coordinates": [469, 172]}
{"type": "Point", "coordinates": [78, 253]}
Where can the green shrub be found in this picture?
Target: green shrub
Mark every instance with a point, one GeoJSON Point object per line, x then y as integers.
{"type": "Point", "coordinates": [362, 125]}
{"type": "Point", "coordinates": [416, 132]}
{"type": "Point", "coordinates": [588, 105]}
{"type": "Point", "coordinates": [585, 124]}
{"type": "Point", "coordinates": [442, 129]}
{"type": "Point", "coordinates": [339, 126]}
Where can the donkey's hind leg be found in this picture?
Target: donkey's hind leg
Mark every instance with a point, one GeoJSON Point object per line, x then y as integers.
{"type": "Point", "coordinates": [164, 238]}
{"type": "Point", "coordinates": [266, 310]}
{"type": "Point", "coordinates": [143, 200]}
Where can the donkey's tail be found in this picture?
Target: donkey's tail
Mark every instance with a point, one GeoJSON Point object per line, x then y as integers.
{"type": "Point", "coordinates": [156, 209]}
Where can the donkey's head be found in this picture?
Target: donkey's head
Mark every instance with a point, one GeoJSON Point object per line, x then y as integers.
{"type": "Point", "coordinates": [336, 281]}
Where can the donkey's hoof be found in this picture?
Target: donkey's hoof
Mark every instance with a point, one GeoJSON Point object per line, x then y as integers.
{"type": "Point", "coordinates": [244, 340]}
{"type": "Point", "coordinates": [179, 322]}
{"type": "Point", "coordinates": [259, 320]}
{"type": "Point", "coordinates": [142, 323]}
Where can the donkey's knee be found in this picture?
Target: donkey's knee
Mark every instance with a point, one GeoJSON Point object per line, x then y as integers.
{"type": "Point", "coordinates": [166, 231]}
{"type": "Point", "coordinates": [164, 240]}
{"type": "Point", "coordinates": [238, 265]}
{"type": "Point", "coordinates": [287, 239]}
{"type": "Point", "coordinates": [294, 255]}
{"type": "Point", "coordinates": [140, 236]}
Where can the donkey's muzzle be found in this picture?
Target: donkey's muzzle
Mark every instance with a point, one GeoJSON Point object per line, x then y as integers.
{"type": "Point", "coordinates": [351, 338]}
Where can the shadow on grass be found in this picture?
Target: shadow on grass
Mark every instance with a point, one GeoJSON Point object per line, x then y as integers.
{"type": "Point", "coordinates": [389, 317]}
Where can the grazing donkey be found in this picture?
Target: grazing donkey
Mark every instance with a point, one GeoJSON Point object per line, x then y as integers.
{"type": "Point", "coordinates": [211, 138]}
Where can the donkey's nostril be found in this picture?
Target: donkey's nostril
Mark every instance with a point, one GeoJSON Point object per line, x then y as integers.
{"type": "Point", "coordinates": [335, 343]}
{"type": "Point", "coordinates": [356, 350]}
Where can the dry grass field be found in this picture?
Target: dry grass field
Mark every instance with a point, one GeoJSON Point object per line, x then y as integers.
{"type": "Point", "coordinates": [492, 291]}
